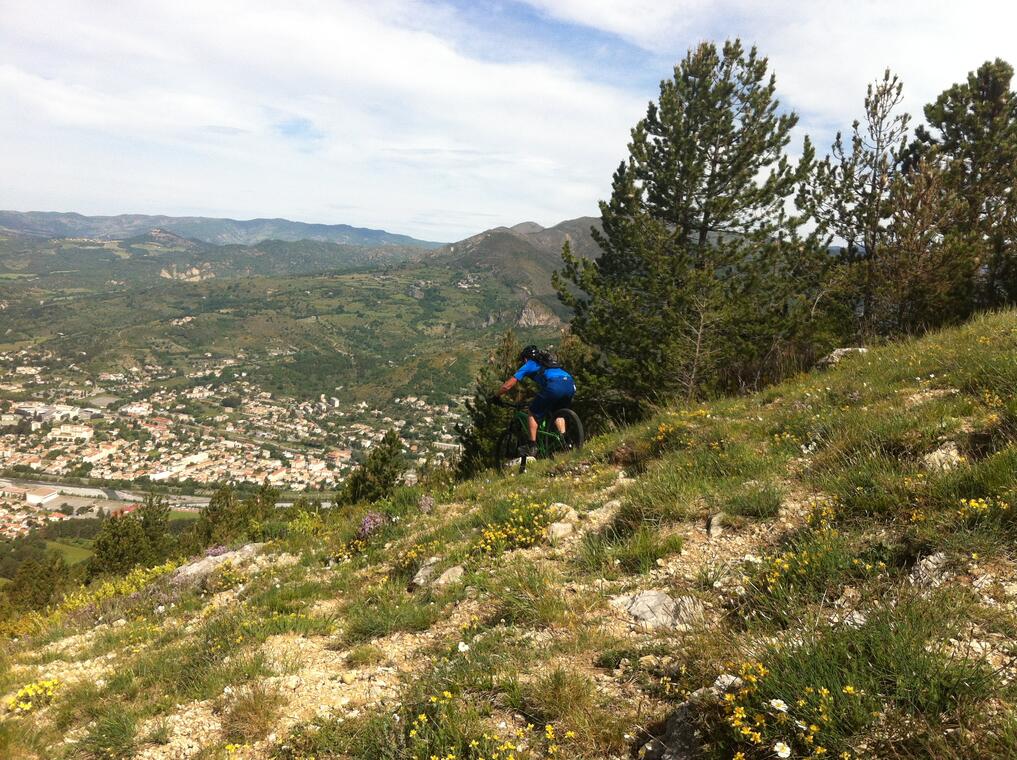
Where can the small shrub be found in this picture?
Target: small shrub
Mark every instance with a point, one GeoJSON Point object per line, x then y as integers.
{"type": "Point", "coordinates": [523, 526]}
{"type": "Point", "coordinates": [33, 696]}
{"type": "Point", "coordinates": [758, 502]}
{"type": "Point", "coordinates": [364, 655]}
{"type": "Point", "coordinates": [224, 578]}
{"type": "Point", "coordinates": [112, 737]}
{"type": "Point", "coordinates": [369, 525]}
{"type": "Point", "coordinates": [407, 563]}
{"type": "Point", "coordinates": [307, 523]}
{"type": "Point", "coordinates": [530, 596]}
{"type": "Point", "coordinates": [249, 714]}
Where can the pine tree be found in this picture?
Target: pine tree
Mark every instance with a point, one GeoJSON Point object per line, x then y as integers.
{"type": "Point", "coordinates": [849, 193]}
{"type": "Point", "coordinates": [974, 129]}
{"type": "Point", "coordinates": [154, 515]}
{"type": "Point", "coordinates": [120, 545]}
{"type": "Point", "coordinates": [38, 582]}
{"type": "Point", "coordinates": [701, 266]}
{"type": "Point", "coordinates": [219, 521]}
{"type": "Point", "coordinates": [228, 518]}
{"type": "Point", "coordinates": [486, 421]}
{"type": "Point", "coordinates": [378, 475]}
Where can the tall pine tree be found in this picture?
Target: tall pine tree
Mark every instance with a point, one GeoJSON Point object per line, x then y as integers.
{"type": "Point", "coordinates": [973, 125]}
{"type": "Point", "coordinates": [701, 265]}
{"type": "Point", "coordinates": [849, 195]}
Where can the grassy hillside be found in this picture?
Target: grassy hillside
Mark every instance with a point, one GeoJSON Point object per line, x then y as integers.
{"type": "Point", "coordinates": [856, 599]}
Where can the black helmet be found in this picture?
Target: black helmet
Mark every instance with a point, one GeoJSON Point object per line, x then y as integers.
{"type": "Point", "coordinates": [530, 352]}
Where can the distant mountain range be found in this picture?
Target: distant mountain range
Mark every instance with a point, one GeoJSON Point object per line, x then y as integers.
{"type": "Point", "coordinates": [54, 224]}
{"type": "Point", "coordinates": [135, 248]}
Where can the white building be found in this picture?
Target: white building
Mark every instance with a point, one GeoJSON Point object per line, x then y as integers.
{"type": "Point", "coordinates": [71, 433]}
{"type": "Point", "coordinates": [41, 495]}
{"type": "Point", "coordinates": [138, 409]}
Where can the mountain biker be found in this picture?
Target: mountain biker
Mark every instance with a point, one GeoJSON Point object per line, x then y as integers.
{"type": "Point", "coordinates": [557, 388]}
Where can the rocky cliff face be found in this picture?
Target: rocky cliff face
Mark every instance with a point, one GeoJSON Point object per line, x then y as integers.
{"type": "Point", "coordinates": [536, 314]}
{"type": "Point", "coordinates": [190, 274]}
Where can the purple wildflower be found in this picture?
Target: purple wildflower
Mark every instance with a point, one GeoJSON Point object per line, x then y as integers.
{"type": "Point", "coordinates": [371, 522]}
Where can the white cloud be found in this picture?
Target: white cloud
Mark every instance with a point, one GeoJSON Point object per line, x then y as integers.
{"type": "Point", "coordinates": [263, 108]}
{"type": "Point", "coordinates": [399, 113]}
{"type": "Point", "coordinates": [823, 52]}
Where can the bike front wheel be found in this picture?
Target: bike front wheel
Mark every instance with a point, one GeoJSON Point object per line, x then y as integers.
{"type": "Point", "coordinates": [507, 451]}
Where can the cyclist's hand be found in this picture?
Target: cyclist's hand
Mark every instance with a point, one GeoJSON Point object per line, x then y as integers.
{"type": "Point", "coordinates": [494, 399]}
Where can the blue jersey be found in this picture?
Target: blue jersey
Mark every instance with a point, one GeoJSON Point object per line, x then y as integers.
{"type": "Point", "coordinates": [553, 379]}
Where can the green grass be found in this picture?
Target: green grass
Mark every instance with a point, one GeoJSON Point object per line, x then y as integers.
{"type": "Point", "coordinates": [843, 681]}
{"type": "Point", "coordinates": [72, 554]}
{"type": "Point", "coordinates": [112, 736]}
{"type": "Point", "coordinates": [387, 609]}
{"type": "Point", "coordinates": [183, 514]}
{"type": "Point", "coordinates": [759, 501]}
{"type": "Point", "coordinates": [248, 715]}
{"type": "Point", "coordinates": [609, 551]}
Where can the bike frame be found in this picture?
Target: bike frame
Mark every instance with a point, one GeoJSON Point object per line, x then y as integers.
{"type": "Point", "coordinates": [543, 433]}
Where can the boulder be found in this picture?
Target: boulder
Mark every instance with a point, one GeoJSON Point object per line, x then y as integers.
{"type": "Point", "coordinates": [564, 511]}
{"type": "Point", "coordinates": [655, 609]}
{"type": "Point", "coordinates": [834, 358]}
{"type": "Point", "coordinates": [681, 738]}
{"type": "Point", "coordinates": [946, 457]}
{"type": "Point", "coordinates": [426, 503]}
{"type": "Point", "coordinates": [450, 576]}
{"type": "Point", "coordinates": [725, 682]}
{"type": "Point", "coordinates": [425, 573]}
{"type": "Point", "coordinates": [930, 571]}
{"type": "Point", "coordinates": [196, 571]}
{"type": "Point", "coordinates": [559, 530]}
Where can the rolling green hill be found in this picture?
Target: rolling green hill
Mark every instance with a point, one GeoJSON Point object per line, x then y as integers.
{"type": "Point", "coordinates": [75, 264]}
{"type": "Point", "coordinates": [303, 317]}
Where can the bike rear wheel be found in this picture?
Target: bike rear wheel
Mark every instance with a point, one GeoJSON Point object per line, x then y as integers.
{"type": "Point", "coordinates": [574, 437]}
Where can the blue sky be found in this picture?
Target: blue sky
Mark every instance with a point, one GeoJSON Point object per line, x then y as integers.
{"type": "Point", "coordinates": [436, 119]}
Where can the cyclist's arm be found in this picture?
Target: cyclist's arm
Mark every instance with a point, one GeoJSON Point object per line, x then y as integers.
{"type": "Point", "coordinates": [507, 386]}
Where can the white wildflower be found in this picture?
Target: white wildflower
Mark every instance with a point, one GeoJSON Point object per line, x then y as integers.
{"type": "Point", "coordinates": [779, 705]}
{"type": "Point", "coordinates": [782, 749]}
{"type": "Point", "coordinates": [464, 647]}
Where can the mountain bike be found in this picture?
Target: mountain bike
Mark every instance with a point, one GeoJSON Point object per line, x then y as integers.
{"type": "Point", "coordinates": [549, 440]}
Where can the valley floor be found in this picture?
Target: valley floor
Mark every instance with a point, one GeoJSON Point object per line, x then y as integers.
{"type": "Point", "coordinates": [824, 569]}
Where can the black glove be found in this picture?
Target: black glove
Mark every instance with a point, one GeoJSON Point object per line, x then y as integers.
{"type": "Point", "coordinates": [495, 399]}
